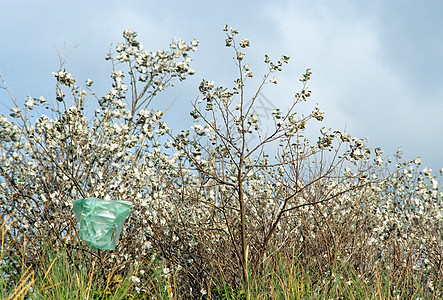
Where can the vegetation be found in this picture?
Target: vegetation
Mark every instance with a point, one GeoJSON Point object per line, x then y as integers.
{"type": "Point", "coordinates": [216, 214]}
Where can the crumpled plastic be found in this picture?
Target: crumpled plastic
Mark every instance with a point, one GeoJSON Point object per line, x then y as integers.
{"type": "Point", "coordinates": [101, 221]}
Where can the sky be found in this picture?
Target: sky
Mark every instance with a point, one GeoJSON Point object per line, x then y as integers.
{"type": "Point", "coordinates": [377, 65]}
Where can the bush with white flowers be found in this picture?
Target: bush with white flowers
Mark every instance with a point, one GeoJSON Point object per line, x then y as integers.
{"type": "Point", "coordinates": [206, 199]}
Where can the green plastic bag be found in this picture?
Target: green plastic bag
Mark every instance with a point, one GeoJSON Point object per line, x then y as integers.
{"type": "Point", "coordinates": [101, 221]}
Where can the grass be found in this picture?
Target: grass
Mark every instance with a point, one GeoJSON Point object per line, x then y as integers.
{"type": "Point", "coordinates": [282, 276]}
{"type": "Point", "coordinates": [280, 279]}
{"type": "Point", "coordinates": [64, 281]}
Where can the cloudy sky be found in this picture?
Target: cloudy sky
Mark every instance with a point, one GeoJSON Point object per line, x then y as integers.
{"type": "Point", "coordinates": [377, 65]}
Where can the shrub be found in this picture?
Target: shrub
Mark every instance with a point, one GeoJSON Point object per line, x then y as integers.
{"type": "Point", "coordinates": [208, 203]}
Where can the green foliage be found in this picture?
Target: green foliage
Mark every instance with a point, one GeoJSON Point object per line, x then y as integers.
{"type": "Point", "coordinates": [228, 293]}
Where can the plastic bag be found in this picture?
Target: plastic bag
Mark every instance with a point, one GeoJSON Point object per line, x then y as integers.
{"type": "Point", "coordinates": [101, 221]}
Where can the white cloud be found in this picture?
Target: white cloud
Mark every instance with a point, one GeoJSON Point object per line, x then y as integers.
{"type": "Point", "coordinates": [352, 80]}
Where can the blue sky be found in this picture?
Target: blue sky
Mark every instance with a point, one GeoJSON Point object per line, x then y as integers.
{"type": "Point", "coordinates": [377, 65]}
